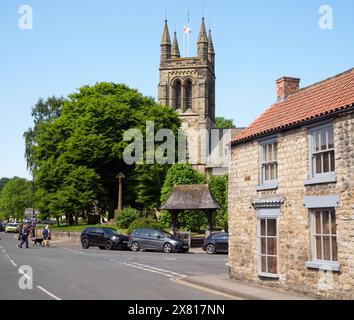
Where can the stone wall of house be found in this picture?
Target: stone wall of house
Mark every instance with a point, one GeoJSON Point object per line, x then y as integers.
{"type": "Point", "coordinates": [294, 224]}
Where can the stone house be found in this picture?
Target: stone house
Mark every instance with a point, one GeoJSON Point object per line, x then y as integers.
{"type": "Point", "coordinates": [291, 193]}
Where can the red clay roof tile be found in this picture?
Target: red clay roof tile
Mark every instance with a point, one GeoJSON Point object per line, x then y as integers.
{"type": "Point", "coordinates": [309, 103]}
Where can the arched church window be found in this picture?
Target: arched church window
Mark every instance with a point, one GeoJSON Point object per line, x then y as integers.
{"type": "Point", "coordinates": [209, 111]}
{"type": "Point", "coordinates": [189, 94]}
{"type": "Point", "coordinates": [178, 94]}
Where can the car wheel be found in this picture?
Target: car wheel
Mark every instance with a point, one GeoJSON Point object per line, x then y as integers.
{"type": "Point", "coordinates": [102, 248]}
{"type": "Point", "coordinates": [167, 247]}
{"type": "Point", "coordinates": [108, 245]}
{"type": "Point", "coordinates": [85, 243]}
{"type": "Point", "coordinates": [135, 247]}
{"type": "Point", "coordinates": [210, 249]}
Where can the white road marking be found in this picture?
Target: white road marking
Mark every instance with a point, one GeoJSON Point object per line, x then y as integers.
{"type": "Point", "coordinates": [24, 274]}
{"type": "Point", "coordinates": [13, 263]}
{"type": "Point", "coordinates": [162, 270]}
{"type": "Point", "coordinates": [48, 293]}
{"type": "Point", "coordinates": [147, 269]}
{"type": "Point", "coordinates": [166, 273]}
{"type": "Point", "coordinates": [3, 250]}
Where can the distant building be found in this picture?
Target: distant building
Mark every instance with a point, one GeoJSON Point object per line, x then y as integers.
{"type": "Point", "coordinates": [291, 195]}
{"type": "Point", "coordinates": [31, 213]}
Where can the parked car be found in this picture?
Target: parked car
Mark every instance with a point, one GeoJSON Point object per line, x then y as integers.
{"type": "Point", "coordinates": [216, 242]}
{"type": "Point", "coordinates": [2, 226]}
{"type": "Point", "coordinates": [49, 221]}
{"type": "Point", "coordinates": [156, 240]}
{"type": "Point", "coordinates": [12, 227]}
{"type": "Point", "coordinates": [104, 238]}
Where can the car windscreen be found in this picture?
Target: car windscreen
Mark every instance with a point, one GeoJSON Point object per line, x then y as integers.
{"type": "Point", "coordinates": [111, 232]}
{"type": "Point", "coordinates": [170, 236]}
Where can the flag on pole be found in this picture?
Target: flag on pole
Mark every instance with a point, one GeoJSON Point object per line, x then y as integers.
{"type": "Point", "coordinates": [186, 29]}
{"type": "Point", "coordinates": [186, 34]}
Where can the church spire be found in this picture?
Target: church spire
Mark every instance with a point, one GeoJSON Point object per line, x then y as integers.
{"type": "Point", "coordinates": [211, 51]}
{"type": "Point", "coordinates": [175, 47]}
{"type": "Point", "coordinates": [203, 42]}
{"type": "Point", "coordinates": [203, 38]}
{"type": "Point", "coordinates": [165, 44]}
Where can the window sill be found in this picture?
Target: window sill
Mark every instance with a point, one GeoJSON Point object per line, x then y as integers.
{"type": "Point", "coordinates": [330, 178]}
{"type": "Point", "coordinates": [268, 275]}
{"type": "Point", "coordinates": [270, 185]}
{"type": "Point", "coordinates": [322, 264]}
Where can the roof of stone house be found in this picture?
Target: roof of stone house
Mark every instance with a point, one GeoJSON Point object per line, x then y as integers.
{"type": "Point", "coordinates": [318, 100]}
{"type": "Point", "coordinates": [191, 197]}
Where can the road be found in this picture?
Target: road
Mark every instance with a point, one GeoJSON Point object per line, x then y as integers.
{"type": "Point", "coordinates": [71, 273]}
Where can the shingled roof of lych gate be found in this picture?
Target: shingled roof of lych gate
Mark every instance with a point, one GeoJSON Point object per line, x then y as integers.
{"type": "Point", "coordinates": [191, 197]}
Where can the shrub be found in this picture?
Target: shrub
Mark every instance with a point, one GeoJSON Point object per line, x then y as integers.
{"type": "Point", "coordinates": [144, 223]}
{"type": "Point", "coordinates": [127, 216]}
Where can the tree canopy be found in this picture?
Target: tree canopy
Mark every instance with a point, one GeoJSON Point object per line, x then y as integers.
{"type": "Point", "coordinates": [3, 181]}
{"type": "Point", "coordinates": [77, 150]}
{"type": "Point", "coordinates": [15, 197]}
{"type": "Point", "coordinates": [223, 123]}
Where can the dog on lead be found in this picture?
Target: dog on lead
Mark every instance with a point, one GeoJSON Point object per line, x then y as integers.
{"type": "Point", "coordinates": [37, 242]}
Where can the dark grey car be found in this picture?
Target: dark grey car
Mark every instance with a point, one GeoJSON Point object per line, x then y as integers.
{"type": "Point", "coordinates": [156, 240]}
{"type": "Point", "coordinates": [217, 242]}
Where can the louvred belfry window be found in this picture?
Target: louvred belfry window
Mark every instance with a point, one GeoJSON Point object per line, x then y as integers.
{"type": "Point", "coordinates": [178, 94]}
{"type": "Point", "coordinates": [189, 94]}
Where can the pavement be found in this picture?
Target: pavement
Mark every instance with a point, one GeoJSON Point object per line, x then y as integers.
{"type": "Point", "coordinates": [65, 271]}
{"type": "Point", "coordinates": [242, 290]}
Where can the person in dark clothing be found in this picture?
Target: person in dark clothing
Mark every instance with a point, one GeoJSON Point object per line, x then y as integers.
{"type": "Point", "coordinates": [20, 227]}
{"type": "Point", "coordinates": [24, 237]}
{"type": "Point", "coordinates": [46, 236]}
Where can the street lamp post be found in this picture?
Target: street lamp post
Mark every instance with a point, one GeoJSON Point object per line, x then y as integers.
{"type": "Point", "coordinates": [120, 178]}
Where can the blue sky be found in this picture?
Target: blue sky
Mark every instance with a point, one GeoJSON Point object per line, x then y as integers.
{"type": "Point", "coordinates": [74, 43]}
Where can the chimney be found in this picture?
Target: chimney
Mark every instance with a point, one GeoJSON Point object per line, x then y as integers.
{"type": "Point", "coordinates": [287, 86]}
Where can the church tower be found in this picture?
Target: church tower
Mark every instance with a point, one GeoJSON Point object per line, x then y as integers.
{"type": "Point", "coordinates": [187, 84]}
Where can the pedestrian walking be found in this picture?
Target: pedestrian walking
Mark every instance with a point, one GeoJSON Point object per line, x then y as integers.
{"type": "Point", "coordinates": [24, 237]}
{"type": "Point", "coordinates": [46, 236]}
{"type": "Point", "coordinates": [19, 229]}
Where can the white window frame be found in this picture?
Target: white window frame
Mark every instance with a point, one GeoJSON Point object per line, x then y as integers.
{"type": "Point", "coordinates": [320, 263]}
{"type": "Point", "coordinates": [314, 234]}
{"type": "Point", "coordinates": [267, 214]}
{"type": "Point", "coordinates": [326, 177]}
{"type": "Point", "coordinates": [269, 184]}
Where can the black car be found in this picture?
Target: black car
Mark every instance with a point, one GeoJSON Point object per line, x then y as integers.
{"type": "Point", "coordinates": [156, 240]}
{"type": "Point", "coordinates": [104, 238]}
{"type": "Point", "coordinates": [217, 242]}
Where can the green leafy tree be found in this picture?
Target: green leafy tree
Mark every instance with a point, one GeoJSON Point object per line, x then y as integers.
{"type": "Point", "coordinates": [180, 174]}
{"type": "Point", "coordinates": [223, 123]}
{"type": "Point", "coordinates": [127, 216]}
{"type": "Point", "coordinates": [3, 181]}
{"type": "Point", "coordinates": [43, 112]}
{"type": "Point", "coordinates": [88, 134]}
{"type": "Point", "coordinates": [15, 197]}
{"type": "Point", "coordinates": [144, 223]}
{"type": "Point", "coordinates": [218, 186]}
